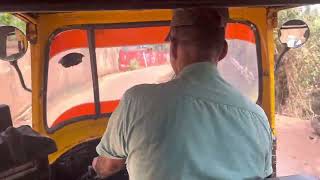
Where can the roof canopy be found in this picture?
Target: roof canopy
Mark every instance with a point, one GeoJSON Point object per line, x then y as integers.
{"type": "Point", "coordinates": [89, 5]}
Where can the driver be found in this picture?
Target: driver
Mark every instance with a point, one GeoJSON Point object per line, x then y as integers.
{"type": "Point", "coordinates": [196, 126]}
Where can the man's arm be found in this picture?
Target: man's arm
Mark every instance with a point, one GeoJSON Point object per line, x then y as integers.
{"type": "Point", "coordinates": [112, 149]}
{"type": "Point", "coordinates": [105, 167]}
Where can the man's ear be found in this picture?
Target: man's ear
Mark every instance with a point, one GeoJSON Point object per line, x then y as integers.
{"type": "Point", "coordinates": [174, 56]}
{"type": "Point", "coordinates": [224, 51]}
{"type": "Point", "coordinates": [174, 50]}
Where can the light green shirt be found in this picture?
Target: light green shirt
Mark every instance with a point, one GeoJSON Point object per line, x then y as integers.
{"type": "Point", "coordinates": [194, 127]}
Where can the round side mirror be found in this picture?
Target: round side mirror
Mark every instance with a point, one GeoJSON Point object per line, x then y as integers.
{"type": "Point", "coordinates": [13, 43]}
{"type": "Point", "coordinates": [294, 33]}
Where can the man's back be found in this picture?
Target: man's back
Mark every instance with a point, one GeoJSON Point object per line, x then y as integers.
{"type": "Point", "coordinates": [194, 127]}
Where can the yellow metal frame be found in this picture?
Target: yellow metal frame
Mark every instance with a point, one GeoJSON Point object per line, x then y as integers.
{"type": "Point", "coordinates": [73, 134]}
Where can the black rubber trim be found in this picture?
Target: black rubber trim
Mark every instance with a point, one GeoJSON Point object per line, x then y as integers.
{"type": "Point", "coordinates": [91, 28]}
{"type": "Point", "coordinates": [259, 58]}
{"type": "Point", "coordinates": [94, 71]}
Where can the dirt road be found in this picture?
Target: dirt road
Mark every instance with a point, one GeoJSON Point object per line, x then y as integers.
{"type": "Point", "coordinates": [298, 148]}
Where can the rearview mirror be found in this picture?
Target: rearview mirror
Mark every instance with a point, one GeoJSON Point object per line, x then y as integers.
{"type": "Point", "coordinates": [13, 43]}
{"type": "Point", "coordinates": [294, 33]}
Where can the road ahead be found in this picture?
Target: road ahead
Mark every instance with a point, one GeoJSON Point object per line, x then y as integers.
{"type": "Point", "coordinates": [112, 87]}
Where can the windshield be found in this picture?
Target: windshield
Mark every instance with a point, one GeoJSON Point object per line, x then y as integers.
{"type": "Point", "coordinates": [89, 69]}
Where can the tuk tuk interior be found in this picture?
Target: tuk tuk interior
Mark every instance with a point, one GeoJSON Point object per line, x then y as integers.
{"type": "Point", "coordinates": [70, 41]}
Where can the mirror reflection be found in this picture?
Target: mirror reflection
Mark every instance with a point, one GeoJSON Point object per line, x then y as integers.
{"type": "Point", "coordinates": [294, 33]}
{"type": "Point", "coordinates": [13, 43]}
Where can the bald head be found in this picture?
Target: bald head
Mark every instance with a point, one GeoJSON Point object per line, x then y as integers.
{"type": "Point", "coordinates": [198, 34]}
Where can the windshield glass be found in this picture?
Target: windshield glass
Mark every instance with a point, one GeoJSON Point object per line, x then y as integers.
{"type": "Point", "coordinates": [120, 58]}
{"type": "Point", "coordinates": [69, 88]}
{"type": "Point", "coordinates": [12, 93]}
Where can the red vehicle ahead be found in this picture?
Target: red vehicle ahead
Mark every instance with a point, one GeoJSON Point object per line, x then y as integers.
{"type": "Point", "coordinates": [141, 57]}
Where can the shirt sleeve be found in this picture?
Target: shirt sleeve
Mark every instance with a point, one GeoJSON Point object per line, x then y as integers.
{"type": "Point", "coordinates": [268, 168]}
{"type": "Point", "coordinates": [113, 144]}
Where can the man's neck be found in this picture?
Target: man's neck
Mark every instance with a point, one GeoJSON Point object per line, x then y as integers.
{"type": "Point", "coordinates": [189, 63]}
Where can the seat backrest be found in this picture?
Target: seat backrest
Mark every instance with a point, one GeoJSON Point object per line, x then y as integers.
{"type": "Point", "coordinates": [5, 117]}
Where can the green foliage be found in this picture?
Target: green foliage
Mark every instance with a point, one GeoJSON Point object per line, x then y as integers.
{"type": "Point", "coordinates": [134, 64]}
{"type": "Point", "coordinates": [306, 58]}
{"type": "Point", "coordinates": [299, 74]}
{"type": "Point", "coordinates": [10, 20]}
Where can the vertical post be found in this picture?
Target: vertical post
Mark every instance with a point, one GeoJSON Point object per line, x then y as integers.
{"type": "Point", "coordinates": [271, 24]}
{"type": "Point", "coordinates": [94, 71]}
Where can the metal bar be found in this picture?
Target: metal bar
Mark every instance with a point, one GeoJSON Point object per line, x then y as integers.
{"type": "Point", "coordinates": [94, 71]}
{"type": "Point", "coordinates": [259, 56]}
{"type": "Point", "coordinates": [16, 67]}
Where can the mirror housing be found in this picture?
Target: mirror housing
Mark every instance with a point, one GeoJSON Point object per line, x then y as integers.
{"type": "Point", "coordinates": [13, 43]}
{"type": "Point", "coordinates": [294, 33]}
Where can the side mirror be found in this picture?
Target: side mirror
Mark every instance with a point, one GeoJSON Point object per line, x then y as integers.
{"type": "Point", "coordinates": [294, 33]}
{"type": "Point", "coordinates": [13, 43]}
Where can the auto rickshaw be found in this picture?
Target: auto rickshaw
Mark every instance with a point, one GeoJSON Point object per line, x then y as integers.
{"type": "Point", "coordinates": [85, 55]}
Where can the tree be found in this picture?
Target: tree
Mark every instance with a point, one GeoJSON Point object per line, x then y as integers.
{"type": "Point", "coordinates": [300, 70]}
{"type": "Point", "coordinates": [10, 20]}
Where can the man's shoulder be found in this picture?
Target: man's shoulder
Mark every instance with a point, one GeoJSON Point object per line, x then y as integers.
{"type": "Point", "coordinates": [256, 111]}
{"type": "Point", "coordinates": [244, 103]}
{"type": "Point", "coordinates": [239, 100]}
{"type": "Point", "coordinates": [151, 91]}
{"type": "Point", "coordinates": [260, 114]}
{"type": "Point", "coordinates": [260, 111]}
{"type": "Point", "coordinates": [252, 107]}
{"type": "Point", "coordinates": [139, 90]}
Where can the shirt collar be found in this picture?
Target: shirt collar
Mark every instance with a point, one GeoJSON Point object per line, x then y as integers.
{"type": "Point", "coordinates": [199, 69]}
